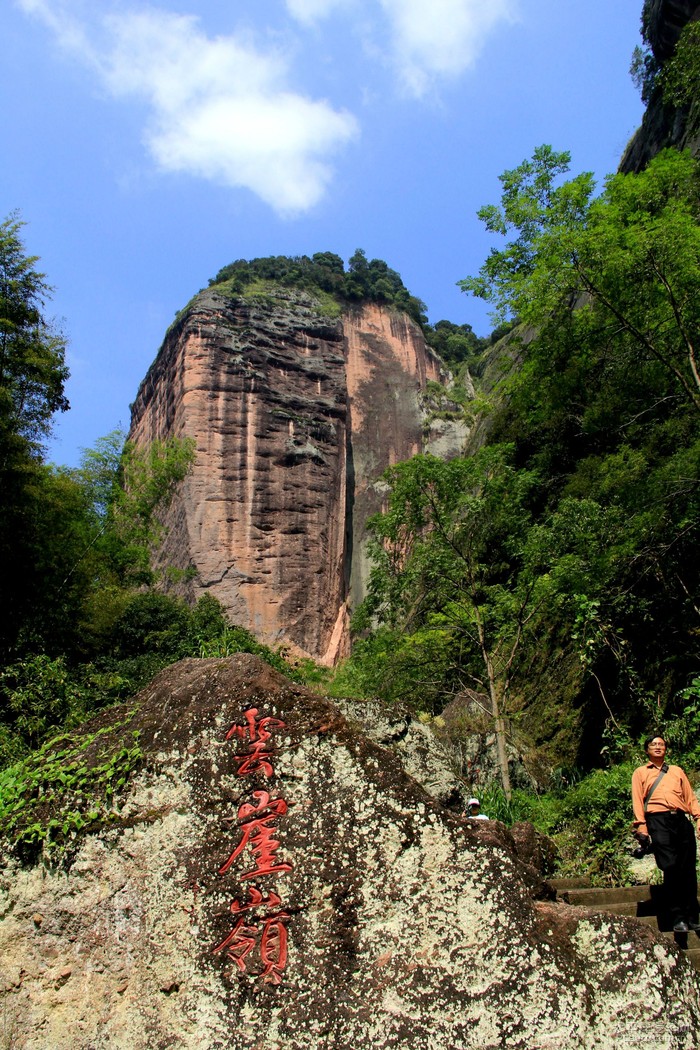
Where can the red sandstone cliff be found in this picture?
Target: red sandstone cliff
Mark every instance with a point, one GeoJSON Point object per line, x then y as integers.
{"type": "Point", "coordinates": [295, 416]}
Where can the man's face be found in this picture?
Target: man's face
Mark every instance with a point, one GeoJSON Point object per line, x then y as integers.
{"type": "Point", "coordinates": [657, 748]}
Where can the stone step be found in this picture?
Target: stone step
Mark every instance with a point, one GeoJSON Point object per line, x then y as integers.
{"type": "Point", "coordinates": [651, 920]}
{"type": "Point", "coordinates": [629, 908]}
{"type": "Point", "coordinates": [573, 883]}
{"type": "Point", "coordinates": [648, 920]}
{"type": "Point", "coordinates": [634, 902]}
{"type": "Point", "coordinates": [599, 895]}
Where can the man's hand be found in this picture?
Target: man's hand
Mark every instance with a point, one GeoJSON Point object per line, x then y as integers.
{"type": "Point", "coordinates": [644, 845]}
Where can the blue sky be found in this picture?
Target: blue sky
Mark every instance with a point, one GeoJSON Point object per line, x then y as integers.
{"type": "Point", "coordinates": [147, 146]}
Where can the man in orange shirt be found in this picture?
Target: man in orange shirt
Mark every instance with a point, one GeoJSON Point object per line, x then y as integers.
{"type": "Point", "coordinates": [663, 800]}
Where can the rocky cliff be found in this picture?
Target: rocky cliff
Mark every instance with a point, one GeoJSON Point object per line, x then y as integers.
{"type": "Point", "coordinates": [296, 413]}
{"type": "Point", "coordinates": [274, 880]}
{"type": "Point", "coordinates": [664, 125]}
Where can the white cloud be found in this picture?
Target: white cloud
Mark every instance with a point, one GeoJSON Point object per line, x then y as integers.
{"type": "Point", "coordinates": [69, 32]}
{"type": "Point", "coordinates": [220, 108]}
{"type": "Point", "coordinates": [439, 38]}
{"type": "Point", "coordinates": [273, 145]}
{"type": "Point", "coordinates": [224, 108]}
{"type": "Point", "coordinates": [309, 11]}
{"type": "Point", "coordinates": [425, 41]}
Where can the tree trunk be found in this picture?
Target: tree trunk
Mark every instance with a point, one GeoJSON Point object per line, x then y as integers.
{"type": "Point", "coordinates": [500, 727]}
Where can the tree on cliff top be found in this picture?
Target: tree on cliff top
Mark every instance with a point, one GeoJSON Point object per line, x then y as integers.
{"type": "Point", "coordinates": [371, 279]}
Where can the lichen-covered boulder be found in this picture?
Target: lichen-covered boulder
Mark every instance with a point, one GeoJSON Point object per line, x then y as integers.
{"type": "Point", "coordinates": [421, 753]}
{"type": "Point", "coordinates": [274, 880]}
{"type": "Point", "coordinates": [465, 728]}
{"type": "Point", "coordinates": [534, 849]}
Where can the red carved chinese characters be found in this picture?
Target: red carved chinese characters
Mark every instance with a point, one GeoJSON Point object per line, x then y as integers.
{"type": "Point", "coordinates": [258, 834]}
{"type": "Point", "coordinates": [273, 947]}
{"type": "Point", "coordinates": [260, 930]}
{"type": "Point", "coordinates": [257, 732]}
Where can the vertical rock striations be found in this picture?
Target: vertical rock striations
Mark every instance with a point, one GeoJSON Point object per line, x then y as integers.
{"type": "Point", "coordinates": [295, 414]}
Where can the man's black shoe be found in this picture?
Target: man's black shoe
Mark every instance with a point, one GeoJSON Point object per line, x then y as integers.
{"type": "Point", "coordinates": [680, 927]}
{"type": "Point", "coordinates": [694, 926]}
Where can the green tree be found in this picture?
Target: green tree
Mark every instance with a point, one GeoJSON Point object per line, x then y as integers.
{"type": "Point", "coordinates": [623, 268]}
{"type": "Point", "coordinates": [100, 470]}
{"type": "Point", "coordinates": [450, 564]}
{"type": "Point", "coordinates": [40, 695]}
{"type": "Point", "coordinates": [32, 378]}
{"type": "Point", "coordinates": [86, 542]}
{"type": "Point", "coordinates": [148, 479]}
{"type": "Point", "coordinates": [456, 344]}
{"type": "Point", "coordinates": [603, 405]}
{"type": "Point", "coordinates": [126, 489]}
{"type": "Point", "coordinates": [32, 353]}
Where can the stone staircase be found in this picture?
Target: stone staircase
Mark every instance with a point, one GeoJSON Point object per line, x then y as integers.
{"type": "Point", "coordinates": [643, 903]}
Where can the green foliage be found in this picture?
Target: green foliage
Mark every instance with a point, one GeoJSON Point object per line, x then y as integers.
{"type": "Point", "coordinates": [680, 77]}
{"type": "Point", "coordinates": [543, 810]}
{"type": "Point", "coordinates": [267, 291]}
{"type": "Point", "coordinates": [571, 540]}
{"type": "Point", "coordinates": [12, 748]}
{"type": "Point", "coordinates": [146, 632]}
{"type": "Point", "coordinates": [151, 622]}
{"type": "Point", "coordinates": [148, 480]}
{"type": "Point", "coordinates": [232, 640]}
{"type": "Point", "coordinates": [597, 816]}
{"type": "Point", "coordinates": [413, 667]}
{"type": "Point", "coordinates": [39, 695]}
{"type": "Point", "coordinates": [539, 213]}
{"type": "Point", "coordinates": [457, 345]}
{"type": "Point", "coordinates": [66, 788]}
{"type": "Point", "coordinates": [644, 70]}
{"type": "Point", "coordinates": [588, 820]}
{"type": "Point", "coordinates": [59, 526]}
{"type": "Point", "coordinates": [324, 270]}
{"type": "Point", "coordinates": [453, 572]}
{"type": "Point", "coordinates": [32, 378]}
{"type": "Point", "coordinates": [644, 67]}
{"type": "Point", "coordinates": [323, 273]}
{"type": "Point", "coordinates": [207, 619]}
{"type": "Point", "coordinates": [604, 407]}
{"type": "Point", "coordinates": [32, 353]}
{"type": "Point", "coordinates": [100, 472]}
{"type": "Point", "coordinates": [682, 729]}
{"type": "Point", "coordinates": [79, 540]}
{"type": "Point", "coordinates": [629, 260]}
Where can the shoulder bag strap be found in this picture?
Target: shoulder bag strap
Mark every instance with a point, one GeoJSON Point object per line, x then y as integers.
{"type": "Point", "coordinates": [652, 789]}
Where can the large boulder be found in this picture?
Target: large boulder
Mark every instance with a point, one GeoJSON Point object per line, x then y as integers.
{"type": "Point", "coordinates": [273, 879]}
{"type": "Point", "coordinates": [465, 728]}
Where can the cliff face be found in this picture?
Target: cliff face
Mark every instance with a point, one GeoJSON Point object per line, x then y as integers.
{"type": "Point", "coordinates": [295, 416]}
{"type": "Point", "coordinates": [664, 125]}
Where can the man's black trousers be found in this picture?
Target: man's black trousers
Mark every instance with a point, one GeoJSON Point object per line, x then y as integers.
{"type": "Point", "coordinates": [673, 843]}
